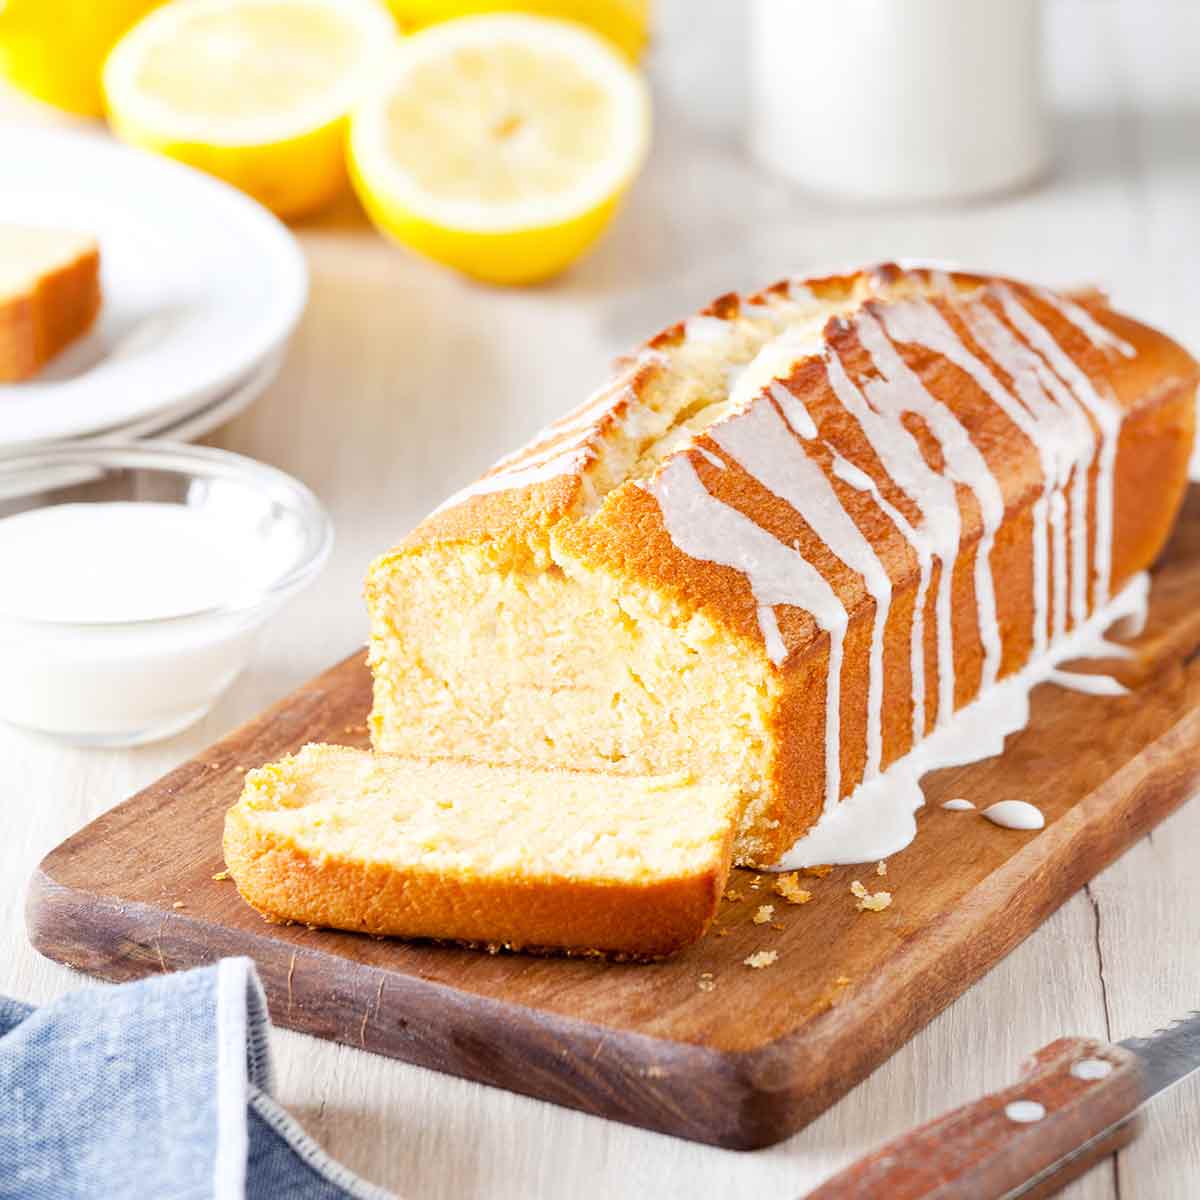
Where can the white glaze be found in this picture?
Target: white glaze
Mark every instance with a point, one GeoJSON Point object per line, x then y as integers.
{"type": "Point", "coordinates": [1093, 685]}
{"type": "Point", "coordinates": [96, 638]}
{"type": "Point", "coordinates": [938, 533]}
{"type": "Point", "coordinates": [878, 818]}
{"type": "Point", "coordinates": [1099, 335]}
{"type": "Point", "coordinates": [957, 805]}
{"type": "Point", "coordinates": [566, 462]}
{"type": "Point", "coordinates": [964, 463]}
{"type": "Point", "coordinates": [1107, 415]}
{"type": "Point", "coordinates": [706, 528]}
{"type": "Point", "coordinates": [1015, 814]}
{"type": "Point", "coordinates": [710, 458]}
{"type": "Point", "coordinates": [759, 441]}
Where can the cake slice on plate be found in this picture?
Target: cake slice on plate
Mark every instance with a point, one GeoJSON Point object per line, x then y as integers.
{"type": "Point", "coordinates": [49, 295]}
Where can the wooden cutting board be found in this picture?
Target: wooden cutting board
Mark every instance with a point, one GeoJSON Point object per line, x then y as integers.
{"type": "Point", "coordinates": [701, 1046]}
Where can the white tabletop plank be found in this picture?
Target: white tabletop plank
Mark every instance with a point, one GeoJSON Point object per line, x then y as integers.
{"type": "Point", "coordinates": [403, 382]}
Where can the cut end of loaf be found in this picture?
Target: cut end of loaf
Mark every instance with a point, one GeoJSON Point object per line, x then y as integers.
{"type": "Point", "coordinates": [463, 852]}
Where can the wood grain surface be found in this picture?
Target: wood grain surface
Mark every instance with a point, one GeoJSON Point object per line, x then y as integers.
{"type": "Point", "coordinates": [701, 1046]}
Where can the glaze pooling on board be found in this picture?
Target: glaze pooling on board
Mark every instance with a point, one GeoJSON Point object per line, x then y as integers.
{"type": "Point", "coordinates": [879, 818]}
{"type": "Point", "coordinates": [1015, 814]}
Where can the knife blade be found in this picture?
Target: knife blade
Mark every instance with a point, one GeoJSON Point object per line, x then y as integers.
{"type": "Point", "coordinates": [1078, 1100]}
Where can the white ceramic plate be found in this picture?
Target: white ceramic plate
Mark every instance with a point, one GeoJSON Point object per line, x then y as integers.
{"type": "Point", "coordinates": [201, 285]}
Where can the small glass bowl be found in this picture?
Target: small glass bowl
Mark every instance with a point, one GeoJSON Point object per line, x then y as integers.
{"type": "Point", "coordinates": [124, 683]}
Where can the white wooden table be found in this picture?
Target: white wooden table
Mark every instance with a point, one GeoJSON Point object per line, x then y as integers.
{"type": "Point", "coordinates": [404, 381]}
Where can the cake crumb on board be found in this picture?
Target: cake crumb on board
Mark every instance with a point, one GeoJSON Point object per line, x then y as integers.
{"type": "Point", "coordinates": [881, 868]}
{"type": "Point", "coordinates": [761, 958]}
{"type": "Point", "coordinates": [788, 886]}
{"type": "Point", "coordinates": [221, 876]}
{"type": "Point", "coordinates": [763, 914]}
{"type": "Point", "coordinates": [868, 902]}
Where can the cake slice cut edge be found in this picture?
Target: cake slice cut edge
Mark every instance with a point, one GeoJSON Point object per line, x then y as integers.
{"type": "Point", "coordinates": [49, 295]}
{"type": "Point", "coordinates": [502, 857]}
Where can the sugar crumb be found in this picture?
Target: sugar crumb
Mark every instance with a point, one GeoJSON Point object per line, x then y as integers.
{"type": "Point", "coordinates": [177, 904]}
{"type": "Point", "coordinates": [857, 888]}
{"type": "Point", "coordinates": [788, 886]}
{"type": "Point", "coordinates": [706, 983]}
{"type": "Point", "coordinates": [761, 958]}
{"type": "Point", "coordinates": [881, 868]}
{"type": "Point", "coordinates": [220, 876]}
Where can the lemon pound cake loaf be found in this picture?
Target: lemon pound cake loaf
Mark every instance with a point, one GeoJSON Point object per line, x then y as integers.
{"type": "Point", "coordinates": [491, 855]}
{"type": "Point", "coordinates": [789, 540]}
{"type": "Point", "coordinates": [49, 295]}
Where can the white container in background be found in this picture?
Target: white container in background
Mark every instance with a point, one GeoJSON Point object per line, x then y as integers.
{"type": "Point", "coordinates": [134, 580]}
{"type": "Point", "coordinates": [898, 100]}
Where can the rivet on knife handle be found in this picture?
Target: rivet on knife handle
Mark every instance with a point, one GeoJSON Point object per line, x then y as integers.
{"type": "Point", "coordinates": [1011, 1143]}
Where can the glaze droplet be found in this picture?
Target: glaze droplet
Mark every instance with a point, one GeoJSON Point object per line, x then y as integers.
{"type": "Point", "coordinates": [958, 805]}
{"type": "Point", "coordinates": [1015, 814]}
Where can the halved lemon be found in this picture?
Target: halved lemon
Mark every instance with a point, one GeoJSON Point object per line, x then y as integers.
{"type": "Point", "coordinates": [500, 145]}
{"type": "Point", "coordinates": [54, 49]}
{"type": "Point", "coordinates": [623, 22]}
{"type": "Point", "coordinates": [254, 91]}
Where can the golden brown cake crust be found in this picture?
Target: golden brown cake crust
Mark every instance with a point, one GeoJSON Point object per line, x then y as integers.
{"type": "Point", "coordinates": [286, 880]}
{"type": "Point", "coordinates": [58, 307]}
{"type": "Point", "coordinates": [1153, 381]}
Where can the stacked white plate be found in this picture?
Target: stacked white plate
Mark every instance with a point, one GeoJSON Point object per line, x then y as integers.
{"type": "Point", "coordinates": [201, 291]}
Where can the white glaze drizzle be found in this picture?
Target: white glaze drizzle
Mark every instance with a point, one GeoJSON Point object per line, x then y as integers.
{"type": "Point", "coordinates": [794, 411]}
{"type": "Point", "coordinates": [938, 532]}
{"type": "Point", "coordinates": [958, 805]}
{"type": "Point", "coordinates": [1014, 814]}
{"type": "Point", "coordinates": [1064, 441]}
{"type": "Point", "coordinates": [1099, 335]}
{"type": "Point", "coordinates": [1107, 416]}
{"type": "Point", "coordinates": [705, 329]}
{"type": "Point", "coordinates": [706, 528]}
{"type": "Point", "coordinates": [759, 441]}
{"type": "Point", "coordinates": [710, 457]}
{"type": "Point", "coordinates": [1093, 685]}
{"type": "Point", "coordinates": [965, 464]}
{"type": "Point", "coordinates": [878, 818]}
{"type": "Point", "coordinates": [566, 462]}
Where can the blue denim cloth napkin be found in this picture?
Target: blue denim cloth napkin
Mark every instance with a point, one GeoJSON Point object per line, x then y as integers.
{"type": "Point", "coordinates": [155, 1090]}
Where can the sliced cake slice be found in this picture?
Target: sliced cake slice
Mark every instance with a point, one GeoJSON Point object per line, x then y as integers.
{"type": "Point", "coordinates": [49, 295]}
{"type": "Point", "coordinates": [501, 856]}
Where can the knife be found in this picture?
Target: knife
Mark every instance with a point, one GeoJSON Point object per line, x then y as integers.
{"type": "Point", "coordinates": [1078, 1100]}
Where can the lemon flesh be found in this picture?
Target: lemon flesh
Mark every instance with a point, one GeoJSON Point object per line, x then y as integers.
{"type": "Point", "coordinates": [255, 92]}
{"type": "Point", "coordinates": [500, 146]}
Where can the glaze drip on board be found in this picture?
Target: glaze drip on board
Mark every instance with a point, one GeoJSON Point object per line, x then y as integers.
{"type": "Point", "coordinates": [879, 818]}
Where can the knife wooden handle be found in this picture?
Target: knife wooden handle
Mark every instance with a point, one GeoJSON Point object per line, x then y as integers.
{"type": "Point", "coordinates": [1072, 1091]}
